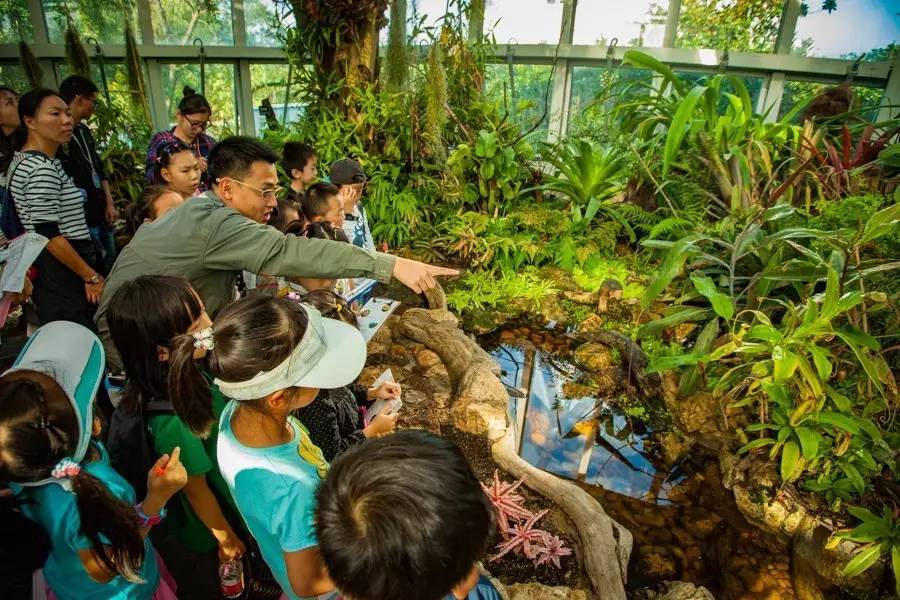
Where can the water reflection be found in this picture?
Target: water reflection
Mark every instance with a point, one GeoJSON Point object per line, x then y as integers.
{"type": "Point", "coordinates": [585, 438]}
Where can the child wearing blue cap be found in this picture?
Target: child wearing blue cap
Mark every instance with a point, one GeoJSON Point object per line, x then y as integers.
{"type": "Point", "coordinates": [63, 477]}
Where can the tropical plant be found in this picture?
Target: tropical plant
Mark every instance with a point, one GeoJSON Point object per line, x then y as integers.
{"type": "Point", "coordinates": [880, 537]}
{"type": "Point", "coordinates": [590, 178]}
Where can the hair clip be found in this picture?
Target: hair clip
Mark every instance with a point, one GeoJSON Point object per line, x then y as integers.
{"type": "Point", "coordinates": [204, 339]}
{"type": "Point", "coordinates": [293, 296]}
{"type": "Point", "coordinates": [65, 468]}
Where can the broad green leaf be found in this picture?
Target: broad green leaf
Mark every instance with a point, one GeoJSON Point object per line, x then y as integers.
{"type": "Point", "coordinates": [779, 211]}
{"type": "Point", "coordinates": [863, 514]}
{"type": "Point", "coordinates": [838, 420]}
{"type": "Point", "coordinates": [679, 126]}
{"type": "Point", "coordinates": [832, 291]}
{"type": "Point", "coordinates": [668, 270]}
{"type": "Point", "coordinates": [690, 379]}
{"type": "Point", "coordinates": [778, 395]}
{"type": "Point", "coordinates": [859, 337]}
{"type": "Point", "coordinates": [786, 363]}
{"type": "Point", "coordinates": [766, 333]}
{"type": "Point", "coordinates": [759, 443]}
{"type": "Point", "coordinates": [721, 303]}
{"type": "Point", "coordinates": [841, 402]}
{"type": "Point", "coordinates": [852, 473]}
{"type": "Point", "coordinates": [862, 561]}
{"type": "Point", "coordinates": [666, 363]}
{"type": "Point", "coordinates": [643, 60]}
{"type": "Point", "coordinates": [881, 223]}
{"type": "Point", "coordinates": [895, 566]}
{"type": "Point", "coordinates": [687, 314]}
{"type": "Point", "coordinates": [820, 359]}
{"type": "Point", "coordinates": [790, 460]}
{"type": "Point", "coordinates": [868, 532]}
{"type": "Point", "coordinates": [809, 442]}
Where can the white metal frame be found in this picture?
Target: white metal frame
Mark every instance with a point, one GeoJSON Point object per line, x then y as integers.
{"type": "Point", "coordinates": [775, 68]}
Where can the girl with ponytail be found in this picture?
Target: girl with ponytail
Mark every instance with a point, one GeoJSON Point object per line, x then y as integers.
{"type": "Point", "coordinates": [144, 316]}
{"type": "Point", "coordinates": [99, 545]}
{"type": "Point", "coordinates": [191, 122]}
{"type": "Point", "coordinates": [270, 356]}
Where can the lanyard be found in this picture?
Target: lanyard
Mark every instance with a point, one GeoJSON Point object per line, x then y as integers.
{"type": "Point", "coordinates": [85, 152]}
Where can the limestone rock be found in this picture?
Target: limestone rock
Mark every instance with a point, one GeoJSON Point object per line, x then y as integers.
{"type": "Point", "coordinates": [594, 356]}
{"type": "Point", "coordinates": [591, 323]}
{"type": "Point", "coordinates": [673, 446]}
{"type": "Point", "coordinates": [673, 590]}
{"type": "Point", "coordinates": [585, 298]}
{"type": "Point", "coordinates": [658, 561]}
{"type": "Point", "coordinates": [427, 359]}
{"type": "Point", "coordinates": [537, 591]}
{"type": "Point", "coordinates": [413, 397]}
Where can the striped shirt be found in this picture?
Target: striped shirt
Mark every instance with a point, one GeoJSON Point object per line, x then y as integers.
{"type": "Point", "coordinates": [45, 197]}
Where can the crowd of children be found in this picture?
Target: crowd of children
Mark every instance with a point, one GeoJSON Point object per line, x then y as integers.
{"type": "Point", "coordinates": [241, 435]}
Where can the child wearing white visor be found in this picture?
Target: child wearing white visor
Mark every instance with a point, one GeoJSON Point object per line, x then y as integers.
{"type": "Point", "coordinates": [271, 356]}
{"type": "Point", "coordinates": [63, 477]}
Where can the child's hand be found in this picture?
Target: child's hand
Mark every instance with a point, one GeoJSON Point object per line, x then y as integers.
{"type": "Point", "coordinates": [167, 475]}
{"type": "Point", "coordinates": [388, 390]}
{"type": "Point", "coordinates": [203, 164]}
{"type": "Point", "coordinates": [382, 424]}
{"type": "Point", "coordinates": [231, 548]}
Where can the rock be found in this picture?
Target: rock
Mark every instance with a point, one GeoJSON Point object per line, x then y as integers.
{"type": "Point", "coordinates": [378, 347]}
{"type": "Point", "coordinates": [680, 332]}
{"type": "Point", "coordinates": [400, 352]}
{"type": "Point", "coordinates": [439, 379]}
{"type": "Point", "coordinates": [413, 397]}
{"type": "Point", "coordinates": [658, 562]}
{"type": "Point", "coordinates": [701, 527]}
{"type": "Point", "coordinates": [369, 375]}
{"type": "Point", "coordinates": [673, 447]}
{"type": "Point", "coordinates": [385, 333]}
{"type": "Point", "coordinates": [536, 591]}
{"type": "Point", "coordinates": [573, 389]}
{"type": "Point", "coordinates": [673, 590]}
{"type": "Point", "coordinates": [427, 359]}
{"type": "Point", "coordinates": [507, 336]}
{"type": "Point", "coordinates": [594, 356]}
{"type": "Point", "coordinates": [591, 323]}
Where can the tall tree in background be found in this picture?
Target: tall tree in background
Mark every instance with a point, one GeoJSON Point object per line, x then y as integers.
{"type": "Point", "coordinates": [396, 70]}
{"type": "Point", "coordinates": [746, 25]}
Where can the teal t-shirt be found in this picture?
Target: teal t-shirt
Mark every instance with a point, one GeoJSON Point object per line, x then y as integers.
{"type": "Point", "coordinates": [56, 510]}
{"type": "Point", "coordinates": [274, 489]}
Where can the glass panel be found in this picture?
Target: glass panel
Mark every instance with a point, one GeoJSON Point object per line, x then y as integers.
{"type": "Point", "coordinates": [271, 81]}
{"type": "Point", "coordinates": [609, 86]}
{"type": "Point", "coordinates": [733, 24]}
{"type": "Point", "coordinates": [13, 75]}
{"type": "Point", "coordinates": [526, 98]}
{"type": "Point", "coordinates": [180, 22]}
{"type": "Point", "coordinates": [220, 92]}
{"type": "Point", "coordinates": [15, 22]}
{"type": "Point", "coordinates": [855, 27]}
{"type": "Point", "coordinates": [867, 98]}
{"type": "Point", "coordinates": [92, 18]}
{"type": "Point", "coordinates": [633, 23]}
{"type": "Point", "coordinates": [523, 21]}
{"type": "Point", "coordinates": [265, 21]}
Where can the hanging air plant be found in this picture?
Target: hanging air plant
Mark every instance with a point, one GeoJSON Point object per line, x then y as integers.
{"type": "Point", "coordinates": [397, 57]}
{"type": "Point", "coordinates": [135, 74]}
{"type": "Point", "coordinates": [76, 55]}
{"type": "Point", "coordinates": [33, 71]}
{"type": "Point", "coordinates": [435, 102]}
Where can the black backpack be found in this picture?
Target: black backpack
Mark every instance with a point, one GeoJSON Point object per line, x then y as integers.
{"type": "Point", "coordinates": [129, 443]}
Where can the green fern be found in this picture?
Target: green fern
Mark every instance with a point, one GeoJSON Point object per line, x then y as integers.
{"type": "Point", "coordinates": [671, 228]}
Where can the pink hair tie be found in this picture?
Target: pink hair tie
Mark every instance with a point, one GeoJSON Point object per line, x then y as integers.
{"type": "Point", "coordinates": [65, 468]}
{"type": "Point", "coordinates": [293, 296]}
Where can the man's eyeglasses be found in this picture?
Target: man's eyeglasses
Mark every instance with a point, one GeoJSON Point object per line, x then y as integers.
{"type": "Point", "coordinates": [201, 125]}
{"type": "Point", "coordinates": [268, 194]}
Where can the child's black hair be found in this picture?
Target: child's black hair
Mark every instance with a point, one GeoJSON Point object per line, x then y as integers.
{"type": "Point", "coordinates": [193, 103]}
{"type": "Point", "coordinates": [145, 209]}
{"type": "Point", "coordinates": [322, 230]}
{"type": "Point", "coordinates": [415, 535]}
{"type": "Point", "coordinates": [295, 155]}
{"type": "Point", "coordinates": [38, 428]}
{"type": "Point", "coordinates": [252, 335]}
{"type": "Point", "coordinates": [280, 220]}
{"type": "Point", "coordinates": [144, 315]}
{"type": "Point", "coordinates": [331, 305]}
{"type": "Point", "coordinates": [315, 199]}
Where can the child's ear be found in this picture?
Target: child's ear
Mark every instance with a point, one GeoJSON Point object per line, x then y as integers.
{"type": "Point", "coordinates": [462, 589]}
{"type": "Point", "coordinates": [277, 400]}
{"type": "Point", "coordinates": [296, 173]}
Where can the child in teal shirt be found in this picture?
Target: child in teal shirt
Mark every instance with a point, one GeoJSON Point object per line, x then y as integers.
{"type": "Point", "coordinates": [64, 480]}
{"type": "Point", "coordinates": [271, 356]}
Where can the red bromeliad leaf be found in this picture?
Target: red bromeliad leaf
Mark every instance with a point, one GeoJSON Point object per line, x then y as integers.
{"type": "Point", "coordinates": [553, 549]}
{"type": "Point", "coordinates": [507, 503]}
{"type": "Point", "coordinates": [523, 536]}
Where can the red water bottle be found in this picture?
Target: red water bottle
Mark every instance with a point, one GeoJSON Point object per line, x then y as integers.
{"type": "Point", "coordinates": [231, 578]}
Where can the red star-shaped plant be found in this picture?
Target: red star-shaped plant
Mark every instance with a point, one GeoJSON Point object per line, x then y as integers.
{"type": "Point", "coordinates": [552, 550]}
{"type": "Point", "coordinates": [507, 503]}
{"type": "Point", "coordinates": [524, 536]}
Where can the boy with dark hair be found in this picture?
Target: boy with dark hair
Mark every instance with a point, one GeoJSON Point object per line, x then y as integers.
{"type": "Point", "coordinates": [417, 536]}
{"type": "Point", "coordinates": [348, 176]}
{"type": "Point", "coordinates": [300, 162]}
{"type": "Point", "coordinates": [81, 162]}
{"type": "Point", "coordinates": [322, 202]}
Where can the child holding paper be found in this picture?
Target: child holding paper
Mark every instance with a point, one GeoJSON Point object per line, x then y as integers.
{"type": "Point", "coordinates": [336, 418]}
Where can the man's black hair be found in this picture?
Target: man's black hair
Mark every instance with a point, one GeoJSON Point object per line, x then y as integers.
{"type": "Point", "coordinates": [76, 85]}
{"type": "Point", "coordinates": [295, 155]}
{"type": "Point", "coordinates": [233, 156]}
{"type": "Point", "coordinates": [402, 516]}
{"type": "Point", "coordinates": [315, 199]}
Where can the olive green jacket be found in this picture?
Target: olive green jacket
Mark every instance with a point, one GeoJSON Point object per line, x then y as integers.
{"type": "Point", "coordinates": [210, 243]}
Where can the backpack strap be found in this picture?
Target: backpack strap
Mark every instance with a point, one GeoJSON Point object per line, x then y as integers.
{"type": "Point", "coordinates": [158, 407]}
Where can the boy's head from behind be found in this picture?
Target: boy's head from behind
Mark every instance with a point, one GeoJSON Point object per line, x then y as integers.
{"type": "Point", "coordinates": [300, 162]}
{"type": "Point", "coordinates": [321, 204]}
{"type": "Point", "coordinates": [287, 214]}
{"type": "Point", "coordinates": [403, 516]}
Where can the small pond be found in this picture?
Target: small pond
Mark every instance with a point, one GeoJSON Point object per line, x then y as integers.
{"type": "Point", "coordinates": [685, 524]}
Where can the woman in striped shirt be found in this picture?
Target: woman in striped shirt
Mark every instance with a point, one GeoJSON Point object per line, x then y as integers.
{"type": "Point", "coordinates": [68, 286]}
